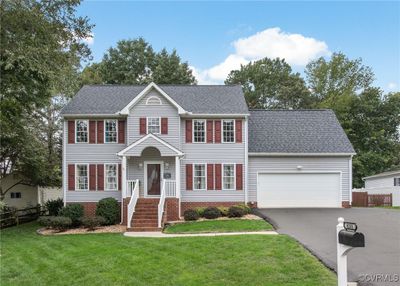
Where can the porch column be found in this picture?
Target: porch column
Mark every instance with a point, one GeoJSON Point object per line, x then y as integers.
{"type": "Point", "coordinates": [123, 177]}
{"type": "Point", "coordinates": [178, 181]}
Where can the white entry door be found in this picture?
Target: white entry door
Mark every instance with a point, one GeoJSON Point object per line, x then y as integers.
{"type": "Point", "coordinates": [296, 190]}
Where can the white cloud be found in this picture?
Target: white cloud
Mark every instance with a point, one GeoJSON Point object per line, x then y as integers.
{"type": "Point", "coordinates": [392, 85]}
{"type": "Point", "coordinates": [296, 49]}
{"type": "Point", "coordinates": [89, 39]}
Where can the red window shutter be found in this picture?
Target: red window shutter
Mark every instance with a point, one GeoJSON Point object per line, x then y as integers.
{"type": "Point", "coordinates": [71, 131]}
{"type": "Point", "coordinates": [189, 177]}
{"type": "Point", "coordinates": [142, 125]}
{"type": "Point", "coordinates": [92, 177]}
{"type": "Point", "coordinates": [92, 132]}
{"type": "Point", "coordinates": [71, 177]}
{"type": "Point", "coordinates": [121, 131]}
{"type": "Point", "coordinates": [188, 131]}
{"type": "Point", "coordinates": [100, 177]}
{"type": "Point", "coordinates": [164, 125]}
{"type": "Point", "coordinates": [210, 129]}
{"type": "Point", "coordinates": [210, 177]}
{"type": "Point", "coordinates": [239, 177]}
{"type": "Point", "coordinates": [119, 177]}
{"type": "Point", "coordinates": [238, 128]}
{"type": "Point", "coordinates": [100, 131]}
{"type": "Point", "coordinates": [218, 177]}
{"type": "Point", "coordinates": [217, 131]}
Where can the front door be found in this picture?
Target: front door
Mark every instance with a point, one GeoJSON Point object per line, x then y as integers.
{"type": "Point", "coordinates": [153, 179]}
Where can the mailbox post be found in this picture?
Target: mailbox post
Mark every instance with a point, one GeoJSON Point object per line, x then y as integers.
{"type": "Point", "coordinates": [347, 239]}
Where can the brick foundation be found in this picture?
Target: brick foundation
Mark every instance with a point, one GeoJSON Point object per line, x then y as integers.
{"type": "Point", "coordinates": [192, 205]}
{"type": "Point", "coordinates": [171, 209]}
{"type": "Point", "coordinates": [125, 210]}
{"type": "Point", "coordinates": [346, 205]}
{"type": "Point", "coordinates": [89, 208]}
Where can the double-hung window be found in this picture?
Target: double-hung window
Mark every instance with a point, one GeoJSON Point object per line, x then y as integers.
{"type": "Point", "coordinates": [228, 131]}
{"type": "Point", "coordinates": [81, 182]}
{"type": "Point", "coordinates": [81, 135]}
{"type": "Point", "coordinates": [229, 177]}
{"type": "Point", "coordinates": [199, 177]}
{"type": "Point", "coordinates": [199, 131]}
{"type": "Point", "coordinates": [110, 132]}
{"type": "Point", "coordinates": [111, 177]}
{"type": "Point", "coordinates": [153, 125]}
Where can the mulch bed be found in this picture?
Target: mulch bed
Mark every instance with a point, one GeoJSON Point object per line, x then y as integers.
{"type": "Point", "coordinates": [117, 228]}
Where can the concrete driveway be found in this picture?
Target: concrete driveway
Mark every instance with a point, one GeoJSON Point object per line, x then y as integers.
{"type": "Point", "coordinates": [316, 230]}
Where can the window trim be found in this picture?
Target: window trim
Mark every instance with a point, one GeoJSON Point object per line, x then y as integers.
{"type": "Point", "coordinates": [159, 125]}
{"type": "Point", "coordinates": [153, 97]}
{"type": "Point", "coordinates": [205, 176]}
{"type": "Point", "coordinates": [87, 131]}
{"type": "Point", "coordinates": [205, 131]}
{"type": "Point", "coordinates": [76, 176]}
{"type": "Point", "coordinates": [234, 131]}
{"type": "Point", "coordinates": [105, 177]}
{"type": "Point", "coordinates": [234, 177]}
{"type": "Point", "coordinates": [15, 195]}
{"type": "Point", "coordinates": [116, 129]}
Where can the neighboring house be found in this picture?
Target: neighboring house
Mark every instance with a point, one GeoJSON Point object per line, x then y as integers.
{"type": "Point", "coordinates": [192, 145]}
{"type": "Point", "coordinates": [384, 183]}
{"type": "Point", "coordinates": [49, 193]}
{"type": "Point", "coordinates": [20, 196]}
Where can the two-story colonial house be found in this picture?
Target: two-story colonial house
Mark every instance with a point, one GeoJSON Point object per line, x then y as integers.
{"type": "Point", "coordinates": [161, 149]}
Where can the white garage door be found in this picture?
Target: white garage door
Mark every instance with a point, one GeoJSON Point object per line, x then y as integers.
{"type": "Point", "coordinates": [286, 190]}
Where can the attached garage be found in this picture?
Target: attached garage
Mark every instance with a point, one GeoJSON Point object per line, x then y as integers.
{"type": "Point", "coordinates": [299, 190]}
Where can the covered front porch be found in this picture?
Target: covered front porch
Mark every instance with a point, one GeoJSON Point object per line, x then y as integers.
{"type": "Point", "coordinates": [150, 170]}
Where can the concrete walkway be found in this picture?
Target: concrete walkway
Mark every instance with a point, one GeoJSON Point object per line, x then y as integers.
{"type": "Point", "coordinates": [157, 234]}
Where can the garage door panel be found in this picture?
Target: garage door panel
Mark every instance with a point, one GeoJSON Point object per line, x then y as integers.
{"type": "Point", "coordinates": [299, 190]}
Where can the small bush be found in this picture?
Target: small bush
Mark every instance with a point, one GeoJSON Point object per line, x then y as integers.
{"type": "Point", "coordinates": [54, 206]}
{"type": "Point", "coordinates": [235, 211]}
{"type": "Point", "coordinates": [224, 211]}
{"type": "Point", "coordinates": [212, 212]}
{"type": "Point", "coordinates": [74, 212]}
{"type": "Point", "coordinates": [92, 222]}
{"type": "Point", "coordinates": [191, 215]}
{"type": "Point", "coordinates": [245, 208]}
{"type": "Point", "coordinates": [45, 221]}
{"type": "Point", "coordinates": [60, 223]}
{"type": "Point", "coordinates": [200, 211]}
{"type": "Point", "coordinates": [108, 208]}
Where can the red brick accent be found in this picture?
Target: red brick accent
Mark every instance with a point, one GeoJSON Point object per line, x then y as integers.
{"type": "Point", "coordinates": [89, 208]}
{"type": "Point", "coordinates": [192, 205]}
{"type": "Point", "coordinates": [346, 205]}
{"type": "Point", "coordinates": [171, 210]}
{"type": "Point", "coordinates": [125, 210]}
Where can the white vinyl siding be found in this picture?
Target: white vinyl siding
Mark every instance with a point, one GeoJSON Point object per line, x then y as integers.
{"type": "Point", "coordinates": [110, 131]}
{"type": "Point", "coordinates": [81, 131]}
{"type": "Point", "coordinates": [228, 176]}
{"type": "Point", "coordinates": [199, 131]}
{"type": "Point", "coordinates": [199, 177]}
{"type": "Point", "coordinates": [82, 177]}
{"type": "Point", "coordinates": [228, 131]}
{"type": "Point", "coordinates": [111, 177]}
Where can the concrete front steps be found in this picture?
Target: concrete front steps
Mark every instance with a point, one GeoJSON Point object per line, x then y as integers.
{"type": "Point", "coordinates": [145, 217]}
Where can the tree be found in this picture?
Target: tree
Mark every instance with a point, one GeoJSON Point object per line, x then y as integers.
{"type": "Point", "coordinates": [135, 62]}
{"type": "Point", "coordinates": [271, 83]}
{"type": "Point", "coordinates": [40, 55]}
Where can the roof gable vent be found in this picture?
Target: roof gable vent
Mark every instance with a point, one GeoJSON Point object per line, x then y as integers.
{"type": "Point", "coordinates": [153, 100]}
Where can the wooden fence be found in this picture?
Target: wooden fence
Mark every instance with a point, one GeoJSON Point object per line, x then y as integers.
{"type": "Point", "coordinates": [15, 217]}
{"type": "Point", "coordinates": [363, 199]}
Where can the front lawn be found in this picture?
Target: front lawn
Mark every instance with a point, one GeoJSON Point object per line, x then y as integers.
{"type": "Point", "coordinates": [391, 208]}
{"type": "Point", "coordinates": [232, 225]}
{"type": "Point", "coordinates": [112, 259]}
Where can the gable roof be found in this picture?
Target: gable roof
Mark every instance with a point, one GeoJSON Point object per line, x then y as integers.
{"type": "Point", "coordinates": [297, 131]}
{"type": "Point", "coordinates": [384, 174]}
{"type": "Point", "coordinates": [198, 99]}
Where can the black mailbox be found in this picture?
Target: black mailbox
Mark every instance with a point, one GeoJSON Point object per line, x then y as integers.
{"type": "Point", "coordinates": [351, 238]}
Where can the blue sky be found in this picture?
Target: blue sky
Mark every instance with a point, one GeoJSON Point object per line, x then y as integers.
{"type": "Point", "coordinates": [215, 37]}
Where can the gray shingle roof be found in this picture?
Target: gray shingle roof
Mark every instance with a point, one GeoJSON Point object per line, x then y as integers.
{"type": "Point", "coordinates": [296, 131]}
{"type": "Point", "coordinates": [200, 99]}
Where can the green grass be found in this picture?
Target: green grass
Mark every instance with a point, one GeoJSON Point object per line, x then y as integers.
{"type": "Point", "coordinates": [391, 208]}
{"type": "Point", "coordinates": [235, 225]}
{"type": "Point", "coordinates": [112, 259]}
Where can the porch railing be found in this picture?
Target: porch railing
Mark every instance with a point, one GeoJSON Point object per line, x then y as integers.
{"type": "Point", "coordinates": [133, 192]}
{"type": "Point", "coordinates": [170, 188]}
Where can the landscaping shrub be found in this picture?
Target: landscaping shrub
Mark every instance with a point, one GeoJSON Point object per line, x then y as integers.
{"type": "Point", "coordinates": [54, 206]}
{"type": "Point", "coordinates": [191, 215]}
{"type": "Point", "coordinates": [200, 211]}
{"type": "Point", "coordinates": [235, 211]}
{"type": "Point", "coordinates": [45, 221]}
{"type": "Point", "coordinates": [60, 223]}
{"type": "Point", "coordinates": [245, 208]}
{"type": "Point", "coordinates": [74, 212]}
{"type": "Point", "coordinates": [224, 211]}
{"type": "Point", "coordinates": [212, 212]}
{"type": "Point", "coordinates": [91, 222]}
{"type": "Point", "coordinates": [108, 208]}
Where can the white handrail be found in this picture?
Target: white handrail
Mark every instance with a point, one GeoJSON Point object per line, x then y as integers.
{"type": "Point", "coordinates": [134, 192]}
{"type": "Point", "coordinates": [161, 204]}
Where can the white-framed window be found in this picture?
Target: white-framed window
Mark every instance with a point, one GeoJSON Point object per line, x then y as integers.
{"type": "Point", "coordinates": [81, 177]}
{"type": "Point", "coordinates": [153, 100]}
{"type": "Point", "coordinates": [111, 173]}
{"type": "Point", "coordinates": [16, 195]}
{"type": "Point", "coordinates": [153, 125]}
{"type": "Point", "coordinates": [81, 131]}
{"type": "Point", "coordinates": [397, 182]}
{"type": "Point", "coordinates": [110, 131]}
{"type": "Point", "coordinates": [199, 131]}
{"type": "Point", "coordinates": [228, 131]}
{"type": "Point", "coordinates": [228, 176]}
{"type": "Point", "coordinates": [199, 177]}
